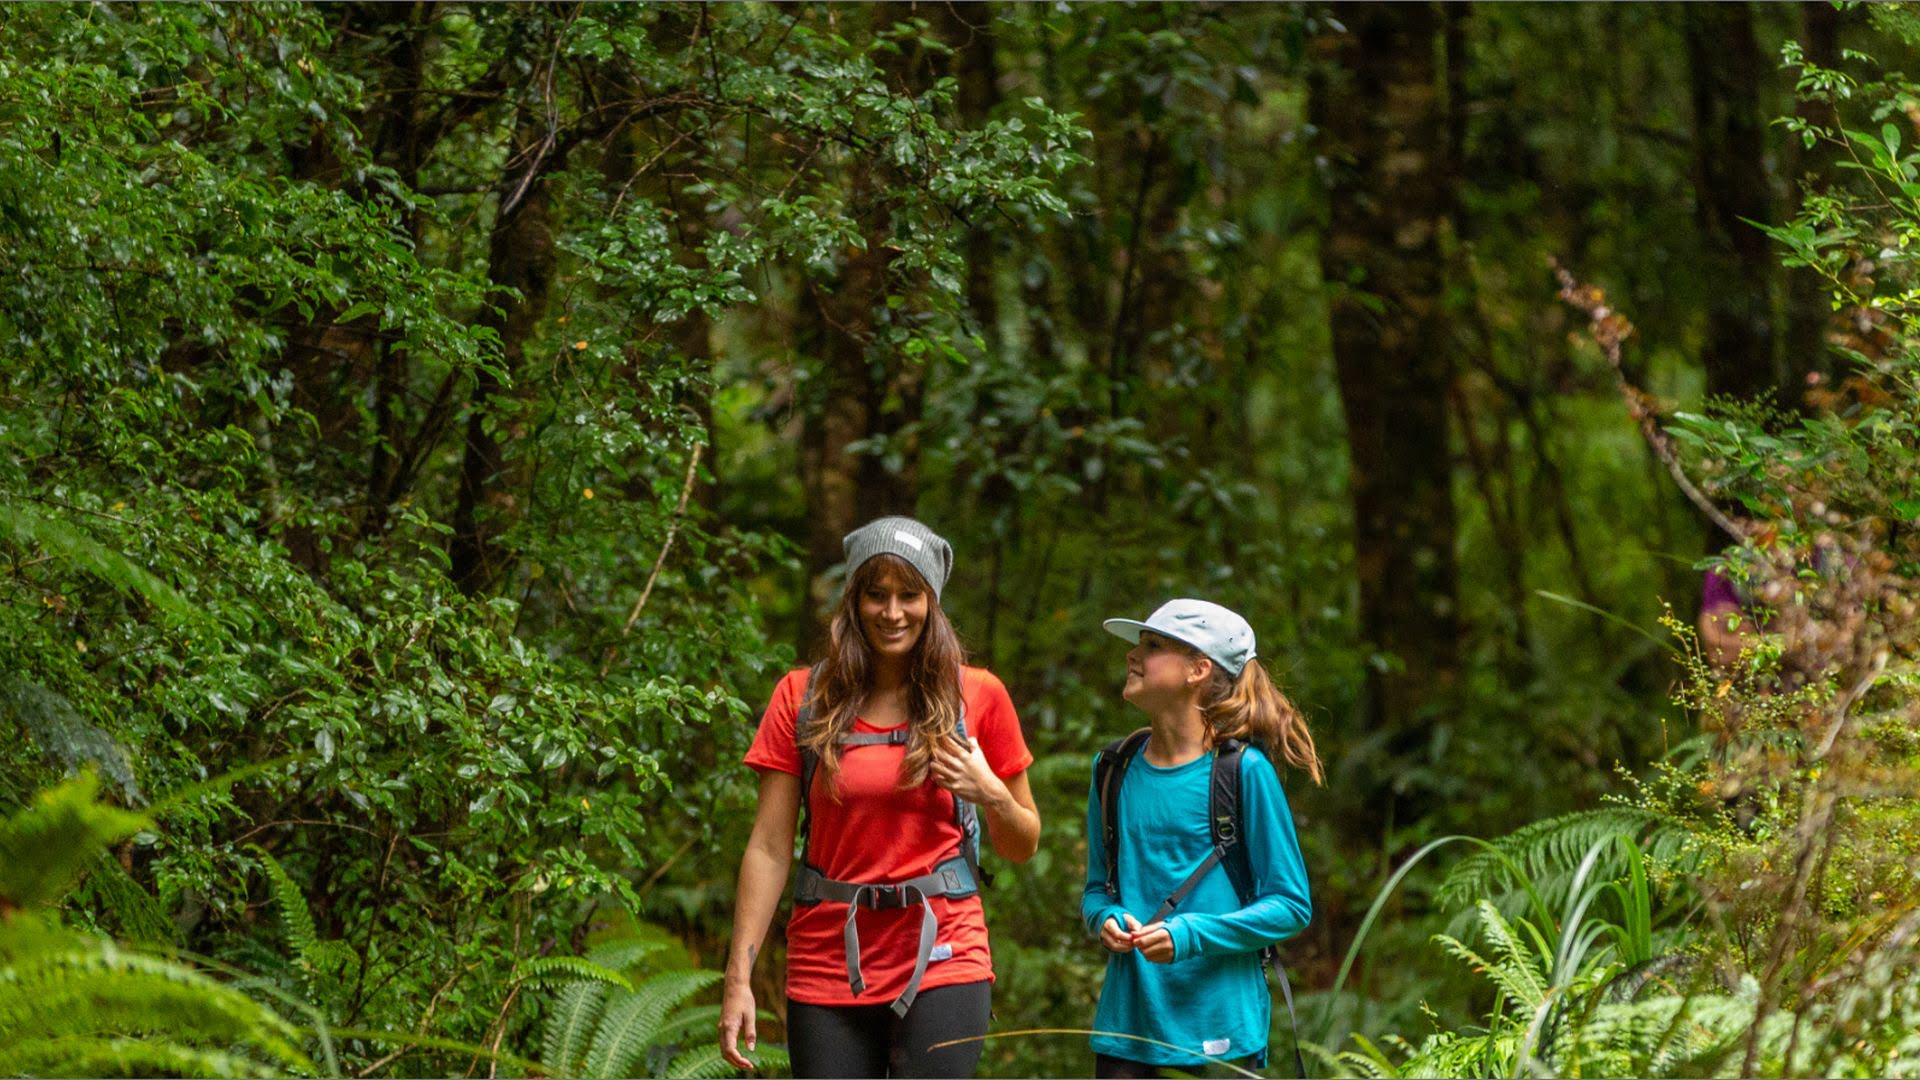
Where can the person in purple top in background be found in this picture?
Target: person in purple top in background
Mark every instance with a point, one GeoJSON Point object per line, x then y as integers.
{"type": "Point", "coordinates": [1728, 620]}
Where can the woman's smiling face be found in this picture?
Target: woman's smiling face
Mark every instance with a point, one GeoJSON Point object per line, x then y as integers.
{"type": "Point", "coordinates": [893, 612]}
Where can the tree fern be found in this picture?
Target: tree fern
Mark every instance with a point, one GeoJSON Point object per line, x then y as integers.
{"type": "Point", "coordinates": [1519, 972]}
{"type": "Point", "coordinates": [45, 847]}
{"type": "Point", "coordinates": [624, 953]}
{"type": "Point", "coordinates": [550, 969]}
{"type": "Point", "coordinates": [700, 1021]}
{"type": "Point", "coordinates": [57, 987]}
{"type": "Point", "coordinates": [571, 1021]}
{"type": "Point", "coordinates": [1550, 851]}
{"type": "Point", "coordinates": [1456, 1054]}
{"type": "Point", "coordinates": [135, 913]}
{"type": "Point", "coordinates": [55, 726]}
{"type": "Point", "coordinates": [633, 1019]}
{"type": "Point", "coordinates": [1367, 1061]}
{"type": "Point", "coordinates": [75, 1004]}
{"type": "Point", "coordinates": [704, 1061]}
{"type": "Point", "coordinates": [606, 1020]}
{"type": "Point", "coordinates": [112, 1056]}
{"type": "Point", "coordinates": [317, 957]}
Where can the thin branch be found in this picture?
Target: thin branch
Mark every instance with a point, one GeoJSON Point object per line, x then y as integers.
{"type": "Point", "coordinates": [1610, 329]}
{"type": "Point", "coordinates": [673, 529]}
{"type": "Point", "coordinates": [1845, 705]}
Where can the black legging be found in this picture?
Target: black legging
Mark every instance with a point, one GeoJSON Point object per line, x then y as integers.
{"type": "Point", "coordinates": [868, 1040]}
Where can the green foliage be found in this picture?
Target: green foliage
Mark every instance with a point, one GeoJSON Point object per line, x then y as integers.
{"type": "Point", "coordinates": [610, 1021]}
{"type": "Point", "coordinates": [79, 1005]}
{"type": "Point", "coordinates": [1549, 853]}
{"type": "Point", "coordinates": [442, 405]}
{"type": "Point", "coordinates": [46, 846]}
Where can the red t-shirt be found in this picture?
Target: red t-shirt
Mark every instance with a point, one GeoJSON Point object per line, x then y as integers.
{"type": "Point", "coordinates": [876, 832]}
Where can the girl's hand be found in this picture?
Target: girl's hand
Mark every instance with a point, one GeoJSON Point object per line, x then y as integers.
{"type": "Point", "coordinates": [963, 770]}
{"type": "Point", "coordinates": [1155, 942]}
{"type": "Point", "coordinates": [1115, 938]}
{"type": "Point", "coordinates": [736, 1019]}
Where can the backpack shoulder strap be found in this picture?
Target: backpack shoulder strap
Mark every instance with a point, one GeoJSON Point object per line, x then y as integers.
{"type": "Point", "coordinates": [967, 816]}
{"type": "Point", "coordinates": [1109, 769]}
{"type": "Point", "coordinates": [1223, 827]}
{"type": "Point", "coordinates": [809, 761]}
{"type": "Point", "coordinates": [1225, 818]}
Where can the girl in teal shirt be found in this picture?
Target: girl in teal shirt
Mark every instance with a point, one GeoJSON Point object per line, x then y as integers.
{"type": "Point", "coordinates": [1193, 983]}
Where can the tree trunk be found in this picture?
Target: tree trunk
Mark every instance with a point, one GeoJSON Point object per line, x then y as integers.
{"type": "Point", "coordinates": [969, 31]}
{"type": "Point", "coordinates": [1730, 189]}
{"type": "Point", "coordinates": [859, 395]}
{"type": "Point", "coordinates": [1380, 106]}
{"type": "Point", "coordinates": [862, 391]}
{"type": "Point", "coordinates": [519, 257]}
{"type": "Point", "coordinates": [1809, 313]}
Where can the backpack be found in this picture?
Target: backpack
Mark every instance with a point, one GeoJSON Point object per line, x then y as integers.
{"type": "Point", "coordinates": [957, 876]}
{"type": "Point", "coordinates": [1223, 822]}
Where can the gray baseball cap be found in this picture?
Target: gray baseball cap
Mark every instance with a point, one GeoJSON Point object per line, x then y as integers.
{"type": "Point", "coordinates": [1221, 635]}
{"type": "Point", "coordinates": [920, 546]}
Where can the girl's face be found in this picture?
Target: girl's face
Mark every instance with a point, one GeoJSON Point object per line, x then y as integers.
{"type": "Point", "coordinates": [893, 612]}
{"type": "Point", "coordinates": [1160, 672]}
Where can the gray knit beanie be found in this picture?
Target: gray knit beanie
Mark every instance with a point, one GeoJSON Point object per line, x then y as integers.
{"type": "Point", "coordinates": [918, 545]}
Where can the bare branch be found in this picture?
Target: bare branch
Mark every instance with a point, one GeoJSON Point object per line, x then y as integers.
{"type": "Point", "coordinates": [1610, 330]}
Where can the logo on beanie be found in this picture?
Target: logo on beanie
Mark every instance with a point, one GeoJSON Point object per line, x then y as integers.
{"type": "Point", "coordinates": [910, 540]}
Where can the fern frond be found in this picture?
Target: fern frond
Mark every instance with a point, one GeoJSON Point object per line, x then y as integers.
{"type": "Point", "coordinates": [624, 954]}
{"type": "Point", "coordinates": [1369, 1060]}
{"type": "Point", "coordinates": [705, 1062]}
{"type": "Point", "coordinates": [84, 1056]}
{"type": "Point", "coordinates": [633, 1019]}
{"type": "Point", "coordinates": [549, 969]}
{"type": "Point", "coordinates": [136, 914]}
{"type": "Point", "coordinates": [95, 990]}
{"type": "Point", "coordinates": [295, 917]}
{"type": "Point", "coordinates": [1549, 851]}
{"type": "Point", "coordinates": [570, 1025]}
{"type": "Point", "coordinates": [1515, 968]}
{"type": "Point", "coordinates": [699, 1021]}
{"type": "Point", "coordinates": [1452, 1054]}
{"type": "Point", "coordinates": [46, 846]}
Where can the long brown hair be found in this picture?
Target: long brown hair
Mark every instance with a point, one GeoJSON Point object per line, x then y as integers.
{"type": "Point", "coordinates": [839, 689]}
{"type": "Point", "coordinates": [1252, 709]}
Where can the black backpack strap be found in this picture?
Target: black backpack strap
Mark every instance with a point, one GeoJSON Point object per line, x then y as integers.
{"type": "Point", "coordinates": [809, 761]}
{"type": "Point", "coordinates": [1223, 824]}
{"type": "Point", "coordinates": [1109, 769]}
{"type": "Point", "coordinates": [1224, 817]}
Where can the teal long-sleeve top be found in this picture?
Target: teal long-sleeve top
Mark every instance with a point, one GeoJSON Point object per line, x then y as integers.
{"type": "Point", "coordinates": [1212, 1000]}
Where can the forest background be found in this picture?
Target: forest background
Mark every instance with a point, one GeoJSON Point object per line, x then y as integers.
{"type": "Point", "coordinates": [429, 430]}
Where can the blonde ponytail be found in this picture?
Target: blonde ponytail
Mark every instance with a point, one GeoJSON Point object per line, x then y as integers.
{"type": "Point", "coordinates": [1252, 709]}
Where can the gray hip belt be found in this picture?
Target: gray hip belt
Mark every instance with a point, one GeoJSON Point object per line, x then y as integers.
{"type": "Point", "coordinates": [952, 879]}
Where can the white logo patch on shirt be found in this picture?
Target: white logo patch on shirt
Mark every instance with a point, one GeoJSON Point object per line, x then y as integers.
{"type": "Point", "coordinates": [1215, 1047]}
{"type": "Point", "coordinates": [909, 540]}
{"type": "Point", "coordinates": [941, 951]}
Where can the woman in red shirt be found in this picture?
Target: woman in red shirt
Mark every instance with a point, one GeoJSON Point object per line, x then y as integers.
{"type": "Point", "coordinates": [903, 748]}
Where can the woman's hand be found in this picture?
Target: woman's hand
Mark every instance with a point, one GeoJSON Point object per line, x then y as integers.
{"type": "Point", "coordinates": [736, 1019]}
{"type": "Point", "coordinates": [962, 769]}
{"type": "Point", "coordinates": [1154, 941]}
